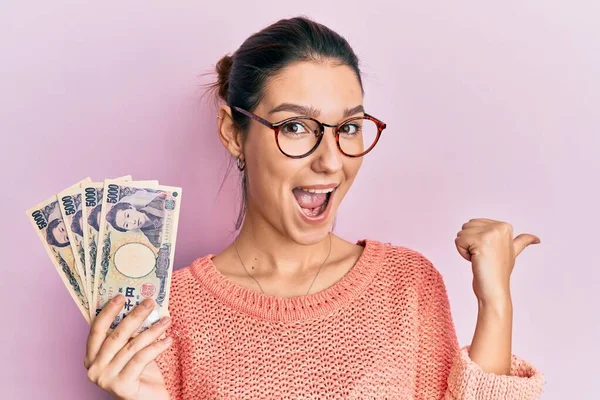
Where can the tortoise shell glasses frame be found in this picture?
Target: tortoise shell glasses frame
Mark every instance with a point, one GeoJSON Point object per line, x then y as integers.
{"type": "Point", "coordinates": [276, 127]}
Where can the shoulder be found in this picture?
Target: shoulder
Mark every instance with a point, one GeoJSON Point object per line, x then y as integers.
{"type": "Point", "coordinates": [410, 260]}
{"type": "Point", "coordinates": [184, 285]}
{"type": "Point", "coordinates": [417, 274]}
{"type": "Point", "coordinates": [411, 267]}
{"type": "Point", "coordinates": [180, 277]}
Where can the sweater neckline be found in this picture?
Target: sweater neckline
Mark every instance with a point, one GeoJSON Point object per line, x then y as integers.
{"type": "Point", "coordinates": [275, 308]}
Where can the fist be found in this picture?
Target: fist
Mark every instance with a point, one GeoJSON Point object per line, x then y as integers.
{"type": "Point", "coordinates": [490, 247]}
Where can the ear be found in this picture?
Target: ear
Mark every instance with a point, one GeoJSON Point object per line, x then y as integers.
{"type": "Point", "coordinates": [228, 132]}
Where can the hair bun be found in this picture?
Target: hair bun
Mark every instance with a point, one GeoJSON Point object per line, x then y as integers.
{"type": "Point", "coordinates": [223, 70]}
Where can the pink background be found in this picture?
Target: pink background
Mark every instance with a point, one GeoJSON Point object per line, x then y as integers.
{"type": "Point", "coordinates": [492, 111]}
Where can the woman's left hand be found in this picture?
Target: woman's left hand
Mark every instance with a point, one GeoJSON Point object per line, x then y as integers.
{"type": "Point", "coordinates": [490, 247]}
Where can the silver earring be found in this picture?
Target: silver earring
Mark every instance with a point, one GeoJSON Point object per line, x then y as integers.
{"type": "Point", "coordinates": [241, 164]}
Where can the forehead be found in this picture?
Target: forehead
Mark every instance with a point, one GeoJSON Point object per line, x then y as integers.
{"type": "Point", "coordinates": [327, 86]}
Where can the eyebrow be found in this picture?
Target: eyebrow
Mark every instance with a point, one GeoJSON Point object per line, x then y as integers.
{"type": "Point", "coordinates": [311, 111]}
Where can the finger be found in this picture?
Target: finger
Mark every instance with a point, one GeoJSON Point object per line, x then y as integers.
{"type": "Point", "coordinates": [100, 327]}
{"type": "Point", "coordinates": [139, 343]}
{"type": "Point", "coordinates": [524, 240]}
{"type": "Point", "coordinates": [463, 248]}
{"type": "Point", "coordinates": [121, 334]}
{"type": "Point", "coordinates": [477, 222]}
{"type": "Point", "coordinates": [470, 230]}
{"type": "Point", "coordinates": [135, 367]}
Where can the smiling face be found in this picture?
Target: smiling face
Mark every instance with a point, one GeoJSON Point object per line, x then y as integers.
{"type": "Point", "coordinates": [130, 219]}
{"type": "Point", "coordinates": [300, 197]}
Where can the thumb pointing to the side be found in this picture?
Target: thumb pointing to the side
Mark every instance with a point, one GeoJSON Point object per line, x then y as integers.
{"type": "Point", "coordinates": [524, 240]}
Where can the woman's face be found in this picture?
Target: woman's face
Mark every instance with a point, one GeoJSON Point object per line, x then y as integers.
{"type": "Point", "coordinates": [279, 186]}
{"type": "Point", "coordinates": [130, 219]}
{"type": "Point", "coordinates": [60, 233]}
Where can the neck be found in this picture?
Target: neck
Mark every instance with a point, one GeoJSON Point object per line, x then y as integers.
{"type": "Point", "coordinates": [273, 253]}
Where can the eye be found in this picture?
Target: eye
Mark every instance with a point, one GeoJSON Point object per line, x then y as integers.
{"type": "Point", "coordinates": [350, 129]}
{"type": "Point", "coordinates": [294, 128]}
{"type": "Point", "coordinates": [126, 215]}
{"type": "Point", "coordinates": [126, 226]}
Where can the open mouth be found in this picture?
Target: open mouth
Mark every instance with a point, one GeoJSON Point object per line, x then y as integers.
{"type": "Point", "coordinates": [313, 202]}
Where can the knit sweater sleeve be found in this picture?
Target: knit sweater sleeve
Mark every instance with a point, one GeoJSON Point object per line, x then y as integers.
{"type": "Point", "coordinates": [445, 371]}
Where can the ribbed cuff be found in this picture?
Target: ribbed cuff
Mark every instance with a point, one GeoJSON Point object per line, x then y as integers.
{"type": "Point", "coordinates": [467, 381]}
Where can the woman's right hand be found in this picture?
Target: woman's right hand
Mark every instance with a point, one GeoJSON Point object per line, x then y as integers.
{"type": "Point", "coordinates": [127, 368]}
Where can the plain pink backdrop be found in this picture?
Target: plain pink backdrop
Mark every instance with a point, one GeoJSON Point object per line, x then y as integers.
{"type": "Point", "coordinates": [492, 111]}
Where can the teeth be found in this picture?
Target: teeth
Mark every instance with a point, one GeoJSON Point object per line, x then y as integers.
{"type": "Point", "coordinates": [319, 190]}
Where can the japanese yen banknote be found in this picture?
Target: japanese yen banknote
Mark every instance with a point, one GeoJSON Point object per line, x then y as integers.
{"type": "Point", "coordinates": [109, 238]}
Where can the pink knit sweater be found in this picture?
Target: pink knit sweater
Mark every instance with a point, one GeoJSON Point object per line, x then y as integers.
{"type": "Point", "coordinates": [384, 331]}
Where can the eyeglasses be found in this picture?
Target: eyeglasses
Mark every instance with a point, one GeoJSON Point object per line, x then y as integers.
{"type": "Point", "coordinates": [298, 137]}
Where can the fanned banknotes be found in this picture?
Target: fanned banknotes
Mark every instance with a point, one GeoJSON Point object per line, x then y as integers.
{"type": "Point", "coordinates": [47, 220]}
{"type": "Point", "coordinates": [136, 246]}
{"type": "Point", "coordinates": [109, 238]}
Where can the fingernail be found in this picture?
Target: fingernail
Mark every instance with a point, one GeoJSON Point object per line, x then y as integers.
{"type": "Point", "coordinates": [147, 303]}
{"type": "Point", "coordinates": [117, 299]}
{"type": "Point", "coordinates": [165, 321]}
{"type": "Point", "coordinates": [168, 340]}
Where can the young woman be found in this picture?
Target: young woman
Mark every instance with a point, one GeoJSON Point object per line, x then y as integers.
{"type": "Point", "coordinates": [289, 310]}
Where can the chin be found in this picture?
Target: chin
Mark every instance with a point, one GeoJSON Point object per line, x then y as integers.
{"type": "Point", "coordinates": [310, 232]}
{"type": "Point", "coordinates": [311, 236]}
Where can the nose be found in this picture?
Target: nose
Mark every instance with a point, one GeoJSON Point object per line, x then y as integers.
{"type": "Point", "coordinates": [328, 157]}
